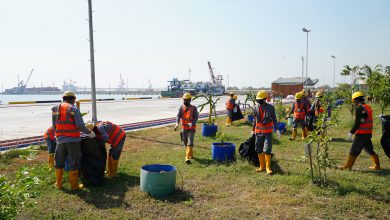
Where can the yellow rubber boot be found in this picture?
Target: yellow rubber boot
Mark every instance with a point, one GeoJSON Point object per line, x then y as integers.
{"type": "Point", "coordinates": [261, 162]}
{"type": "Point", "coordinates": [51, 160]}
{"type": "Point", "coordinates": [268, 164]}
{"type": "Point", "coordinates": [187, 159]}
{"type": "Point", "coordinates": [113, 168]}
{"type": "Point", "coordinates": [74, 180]}
{"type": "Point", "coordinates": [227, 122]}
{"type": "Point", "coordinates": [59, 175]}
{"type": "Point", "coordinates": [230, 121]}
{"type": "Point", "coordinates": [293, 135]}
{"type": "Point", "coordinates": [375, 162]}
{"type": "Point", "coordinates": [191, 153]}
{"type": "Point", "coordinates": [350, 162]}
{"type": "Point", "coordinates": [305, 132]}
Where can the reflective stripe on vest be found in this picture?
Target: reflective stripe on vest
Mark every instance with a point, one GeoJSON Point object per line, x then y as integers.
{"type": "Point", "coordinates": [366, 126]}
{"type": "Point", "coordinates": [49, 133]}
{"type": "Point", "coordinates": [65, 124]}
{"type": "Point", "coordinates": [229, 104]}
{"type": "Point", "coordinates": [299, 110]}
{"type": "Point", "coordinates": [115, 135]}
{"type": "Point", "coordinates": [187, 117]}
{"type": "Point", "coordinates": [263, 128]}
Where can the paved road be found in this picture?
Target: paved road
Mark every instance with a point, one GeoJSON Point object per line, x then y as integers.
{"type": "Point", "coordinates": [18, 121]}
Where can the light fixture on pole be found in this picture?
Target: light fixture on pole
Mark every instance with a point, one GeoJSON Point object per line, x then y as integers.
{"type": "Point", "coordinates": [307, 50]}
{"type": "Point", "coordinates": [334, 70]}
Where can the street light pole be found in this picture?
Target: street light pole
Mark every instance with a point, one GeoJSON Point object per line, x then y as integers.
{"type": "Point", "coordinates": [92, 60]}
{"type": "Point", "coordinates": [303, 61]}
{"type": "Point", "coordinates": [307, 50]}
{"type": "Point", "coordinates": [334, 70]}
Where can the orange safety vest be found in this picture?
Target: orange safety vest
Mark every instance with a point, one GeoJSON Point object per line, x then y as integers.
{"type": "Point", "coordinates": [229, 105]}
{"type": "Point", "coordinates": [318, 109]}
{"type": "Point", "coordinates": [65, 124]}
{"type": "Point", "coordinates": [366, 126]}
{"type": "Point", "coordinates": [115, 135]}
{"type": "Point", "coordinates": [299, 110]}
{"type": "Point", "coordinates": [263, 128]}
{"type": "Point", "coordinates": [188, 117]}
{"type": "Point", "coordinates": [49, 133]}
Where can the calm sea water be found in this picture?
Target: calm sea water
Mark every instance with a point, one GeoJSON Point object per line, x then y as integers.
{"type": "Point", "coordinates": [4, 99]}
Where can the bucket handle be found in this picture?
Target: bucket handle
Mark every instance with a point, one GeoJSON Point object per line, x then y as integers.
{"type": "Point", "coordinates": [182, 181]}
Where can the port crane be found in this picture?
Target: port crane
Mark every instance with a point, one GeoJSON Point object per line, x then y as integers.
{"type": "Point", "coordinates": [215, 80]}
{"type": "Point", "coordinates": [21, 85]}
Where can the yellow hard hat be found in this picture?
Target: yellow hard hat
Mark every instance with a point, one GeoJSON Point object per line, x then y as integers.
{"type": "Point", "coordinates": [235, 97]}
{"type": "Point", "coordinates": [261, 94]}
{"type": "Point", "coordinates": [69, 94]}
{"type": "Point", "coordinates": [357, 94]}
{"type": "Point", "coordinates": [319, 94]}
{"type": "Point", "coordinates": [298, 95]}
{"type": "Point", "coordinates": [89, 126]}
{"type": "Point", "coordinates": [187, 96]}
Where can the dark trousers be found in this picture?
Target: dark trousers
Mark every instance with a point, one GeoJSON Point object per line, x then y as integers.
{"type": "Point", "coordinates": [360, 142]}
{"type": "Point", "coordinates": [188, 137]}
{"type": "Point", "coordinates": [115, 152]}
{"type": "Point", "coordinates": [71, 150]}
{"type": "Point", "coordinates": [51, 145]}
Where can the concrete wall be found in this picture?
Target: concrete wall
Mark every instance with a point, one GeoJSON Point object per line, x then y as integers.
{"type": "Point", "coordinates": [285, 90]}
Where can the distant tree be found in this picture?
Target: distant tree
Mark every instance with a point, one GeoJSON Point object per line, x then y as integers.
{"type": "Point", "coordinates": [354, 72]}
{"type": "Point", "coordinates": [248, 88]}
{"type": "Point", "coordinates": [232, 88]}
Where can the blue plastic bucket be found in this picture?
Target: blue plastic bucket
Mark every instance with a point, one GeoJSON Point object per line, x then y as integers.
{"type": "Point", "coordinates": [209, 130]}
{"type": "Point", "coordinates": [250, 118]}
{"type": "Point", "coordinates": [158, 180]}
{"type": "Point", "coordinates": [223, 152]}
{"type": "Point", "coordinates": [282, 127]}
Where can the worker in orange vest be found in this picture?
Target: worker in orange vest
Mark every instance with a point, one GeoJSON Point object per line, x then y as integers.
{"type": "Point", "coordinates": [300, 109]}
{"type": "Point", "coordinates": [188, 116]}
{"type": "Point", "coordinates": [230, 102]}
{"type": "Point", "coordinates": [51, 144]}
{"type": "Point", "coordinates": [362, 129]}
{"type": "Point", "coordinates": [68, 123]}
{"type": "Point", "coordinates": [263, 125]}
{"type": "Point", "coordinates": [115, 136]}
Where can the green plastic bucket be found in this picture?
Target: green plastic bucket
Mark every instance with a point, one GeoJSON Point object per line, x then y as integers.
{"type": "Point", "coordinates": [289, 121]}
{"type": "Point", "coordinates": [158, 180]}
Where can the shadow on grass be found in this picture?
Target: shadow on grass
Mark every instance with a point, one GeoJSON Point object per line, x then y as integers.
{"type": "Point", "coordinates": [341, 140]}
{"type": "Point", "coordinates": [276, 169]}
{"type": "Point", "coordinates": [204, 161]}
{"type": "Point", "coordinates": [111, 194]}
{"type": "Point", "coordinates": [381, 172]}
{"type": "Point", "coordinates": [345, 190]}
{"type": "Point", "coordinates": [180, 195]}
{"type": "Point", "coordinates": [154, 140]}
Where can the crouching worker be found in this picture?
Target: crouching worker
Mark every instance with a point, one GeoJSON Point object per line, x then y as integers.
{"type": "Point", "coordinates": [51, 144]}
{"type": "Point", "coordinates": [362, 129]}
{"type": "Point", "coordinates": [115, 136]}
{"type": "Point", "coordinates": [68, 123]}
{"type": "Point", "coordinates": [263, 125]}
{"type": "Point", "coordinates": [188, 115]}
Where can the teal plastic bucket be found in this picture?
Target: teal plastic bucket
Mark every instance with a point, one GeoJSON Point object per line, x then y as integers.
{"type": "Point", "coordinates": [158, 180]}
{"type": "Point", "coordinates": [289, 121]}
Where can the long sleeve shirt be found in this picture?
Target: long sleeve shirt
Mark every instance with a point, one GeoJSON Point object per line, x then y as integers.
{"type": "Point", "coordinates": [103, 130]}
{"type": "Point", "coordinates": [269, 112]}
{"type": "Point", "coordinates": [194, 115]}
{"type": "Point", "coordinates": [359, 115]}
{"type": "Point", "coordinates": [79, 122]}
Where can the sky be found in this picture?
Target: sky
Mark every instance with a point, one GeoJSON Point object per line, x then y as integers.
{"type": "Point", "coordinates": [254, 42]}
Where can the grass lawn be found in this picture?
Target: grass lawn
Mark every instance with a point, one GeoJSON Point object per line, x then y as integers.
{"type": "Point", "coordinates": [207, 190]}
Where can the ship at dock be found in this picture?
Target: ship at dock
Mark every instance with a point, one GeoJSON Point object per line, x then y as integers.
{"type": "Point", "coordinates": [176, 87]}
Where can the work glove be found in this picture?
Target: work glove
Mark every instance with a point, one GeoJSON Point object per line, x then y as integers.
{"type": "Point", "coordinates": [278, 134]}
{"type": "Point", "coordinates": [176, 125]}
{"type": "Point", "coordinates": [189, 124]}
{"type": "Point", "coordinates": [92, 135]}
{"type": "Point", "coordinates": [253, 133]}
{"type": "Point", "coordinates": [349, 136]}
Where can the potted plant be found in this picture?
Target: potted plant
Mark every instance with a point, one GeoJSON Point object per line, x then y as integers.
{"type": "Point", "coordinates": [209, 129]}
{"type": "Point", "coordinates": [223, 151]}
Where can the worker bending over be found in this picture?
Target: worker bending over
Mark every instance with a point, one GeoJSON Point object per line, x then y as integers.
{"type": "Point", "coordinates": [115, 136]}
{"type": "Point", "coordinates": [230, 102]}
{"type": "Point", "coordinates": [68, 123]}
{"type": "Point", "coordinates": [263, 124]}
{"type": "Point", "coordinates": [362, 129]}
{"type": "Point", "coordinates": [188, 115]}
{"type": "Point", "coordinates": [300, 109]}
{"type": "Point", "coordinates": [51, 144]}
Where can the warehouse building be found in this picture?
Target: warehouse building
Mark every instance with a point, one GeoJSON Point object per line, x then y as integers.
{"type": "Point", "coordinates": [289, 86]}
